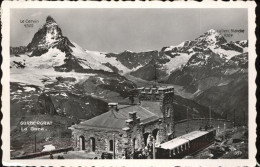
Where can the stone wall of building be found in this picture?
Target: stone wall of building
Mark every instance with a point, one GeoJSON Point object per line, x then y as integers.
{"type": "Point", "coordinates": [101, 138]}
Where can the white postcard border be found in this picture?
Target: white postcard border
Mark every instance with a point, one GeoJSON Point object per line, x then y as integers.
{"type": "Point", "coordinates": [5, 18]}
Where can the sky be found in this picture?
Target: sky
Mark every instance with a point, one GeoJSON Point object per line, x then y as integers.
{"type": "Point", "coordinates": [116, 30]}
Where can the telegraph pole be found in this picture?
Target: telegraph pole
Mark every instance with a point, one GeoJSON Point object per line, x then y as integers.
{"type": "Point", "coordinates": [234, 118]}
{"type": "Point", "coordinates": [59, 132]}
{"type": "Point", "coordinates": [114, 151]}
{"type": "Point", "coordinates": [35, 143]}
{"type": "Point", "coordinates": [209, 115]}
{"type": "Point", "coordinates": [244, 113]}
{"type": "Point", "coordinates": [187, 111]}
{"type": "Point", "coordinates": [155, 76]}
{"type": "Point", "coordinates": [153, 148]}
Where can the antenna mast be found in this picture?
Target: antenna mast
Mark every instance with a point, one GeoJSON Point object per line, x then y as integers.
{"type": "Point", "coordinates": [155, 77]}
{"type": "Point", "coordinates": [187, 112]}
{"type": "Point", "coordinates": [209, 115]}
{"type": "Point", "coordinates": [234, 118]}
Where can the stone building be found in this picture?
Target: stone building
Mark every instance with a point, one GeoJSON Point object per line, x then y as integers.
{"type": "Point", "coordinates": [128, 127]}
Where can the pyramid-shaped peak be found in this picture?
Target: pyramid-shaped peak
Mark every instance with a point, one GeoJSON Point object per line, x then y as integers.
{"type": "Point", "coordinates": [49, 19]}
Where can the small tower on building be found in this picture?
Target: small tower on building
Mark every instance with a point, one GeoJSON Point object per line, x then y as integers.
{"type": "Point", "coordinates": [163, 96]}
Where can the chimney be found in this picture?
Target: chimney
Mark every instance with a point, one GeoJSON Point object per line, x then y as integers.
{"type": "Point", "coordinates": [132, 115]}
{"type": "Point", "coordinates": [112, 106]}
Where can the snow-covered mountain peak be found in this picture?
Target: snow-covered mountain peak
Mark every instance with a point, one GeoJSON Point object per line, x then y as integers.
{"type": "Point", "coordinates": [53, 31]}
{"type": "Point", "coordinates": [129, 51]}
{"type": "Point", "coordinates": [49, 19]}
{"type": "Point", "coordinates": [212, 34]}
{"type": "Point", "coordinates": [49, 44]}
{"type": "Point", "coordinates": [46, 37]}
{"type": "Point", "coordinates": [210, 38]}
{"type": "Point", "coordinates": [212, 31]}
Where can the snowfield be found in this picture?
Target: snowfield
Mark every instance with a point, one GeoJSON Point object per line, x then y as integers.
{"type": "Point", "coordinates": [176, 46]}
{"type": "Point", "coordinates": [177, 61]}
{"type": "Point", "coordinates": [112, 60]}
{"type": "Point", "coordinates": [40, 77]}
{"type": "Point", "coordinates": [54, 57]}
{"type": "Point", "coordinates": [86, 59]}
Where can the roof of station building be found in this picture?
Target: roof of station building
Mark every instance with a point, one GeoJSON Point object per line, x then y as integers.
{"type": "Point", "coordinates": [147, 111]}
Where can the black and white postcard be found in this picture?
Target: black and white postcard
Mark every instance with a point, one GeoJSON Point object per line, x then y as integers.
{"type": "Point", "coordinates": [119, 84]}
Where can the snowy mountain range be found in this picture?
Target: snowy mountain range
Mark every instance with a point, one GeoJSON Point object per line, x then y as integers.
{"type": "Point", "coordinates": [53, 78]}
{"type": "Point", "coordinates": [49, 49]}
{"type": "Point", "coordinates": [77, 83]}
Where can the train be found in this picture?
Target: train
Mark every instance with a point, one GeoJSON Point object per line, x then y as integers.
{"type": "Point", "coordinates": [185, 145]}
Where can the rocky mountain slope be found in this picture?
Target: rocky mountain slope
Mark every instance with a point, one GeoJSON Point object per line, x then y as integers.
{"type": "Point", "coordinates": [55, 78]}
{"type": "Point", "coordinates": [216, 80]}
{"type": "Point", "coordinates": [213, 70]}
{"type": "Point", "coordinates": [201, 66]}
{"type": "Point", "coordinates": [208, 44]}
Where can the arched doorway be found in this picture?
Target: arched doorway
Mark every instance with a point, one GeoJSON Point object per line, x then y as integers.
{"type": "Point", "coordinates": [92, 144]}
{"type": "Point", "coordinates": [155, 133]}
{"type": "Point", "coordinates": [82, 143]}
{"type": "Point", "coordinates": [145, 138]}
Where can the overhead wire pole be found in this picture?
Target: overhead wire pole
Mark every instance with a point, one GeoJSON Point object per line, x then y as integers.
{"type": "Point", "coordinates": [35, 143]}
{"type": "Point", "coordinates": [244, 113]}
{"type": "Point", "coordinates": [114, 151]}
{"type": "Point", "coordinates": [226, 116]}
{"type": "Point", "coordinates": [234, 118]}
{"type": "Point", "coordinates": [154, 148]}
{"type": "Point", "coordinates": [209, 115]}
{"type": "Point", "coordinates": [155, 69]}
{"type": "Point", "coordinates": [155, 76]}
{"type": "Point", "coordinates": [187, 112]}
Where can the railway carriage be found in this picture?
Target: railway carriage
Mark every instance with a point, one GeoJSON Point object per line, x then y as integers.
{"type": "Point", "coordinates": [187, 144]}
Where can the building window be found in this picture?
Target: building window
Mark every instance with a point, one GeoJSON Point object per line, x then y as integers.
{"type": "Point", "coordinates": [134, 143]}
{"type": "Point", "coordinates": [111, 145]}
{"type": "Point", "coordinates": [93, 144]}
{"type": "Point", "coordinates": [82, 143]}
{"type": "Point", "coordinates": [168, 128]}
